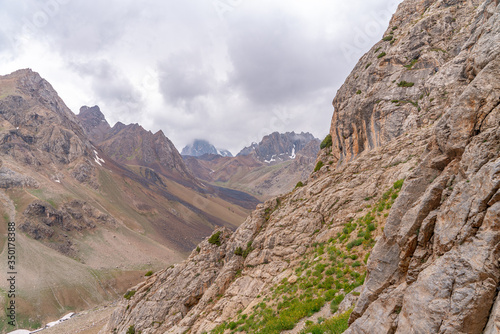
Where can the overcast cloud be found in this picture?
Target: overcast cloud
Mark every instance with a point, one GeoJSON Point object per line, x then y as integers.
{"type": "Point", "coordinates": [228, 71]}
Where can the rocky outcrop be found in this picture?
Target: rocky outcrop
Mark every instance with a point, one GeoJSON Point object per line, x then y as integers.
{"type": "Point", "coordinates": [11, 179]}
{"type": "Point", "coordinates": [424, 106]}
{"type": "Point", "coordinates": [42, 221]}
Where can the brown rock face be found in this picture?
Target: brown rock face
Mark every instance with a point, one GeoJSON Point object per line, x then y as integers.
{"type": "Point", "coordinates": [428, 112]}
{"type": "Point", "coordinates": [41, 129]}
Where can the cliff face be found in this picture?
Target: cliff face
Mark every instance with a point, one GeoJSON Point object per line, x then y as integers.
{"type": "Point", "coordinates": [422, 106]}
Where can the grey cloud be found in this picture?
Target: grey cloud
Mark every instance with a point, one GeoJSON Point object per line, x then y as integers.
{"type": "Point", "coordinates": [274, 61]}
{"type": "Point", "coordinates": [111, 86]}
{"type": "Point", "coordinates": [184, 77]}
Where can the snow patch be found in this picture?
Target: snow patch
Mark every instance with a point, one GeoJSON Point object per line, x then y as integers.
{"type": "Point", "coordinates": [293, 153]}
{"type": "Point", "coordinates": [97, 159]}
{"type": "Point", "coordinates": [49, 325]}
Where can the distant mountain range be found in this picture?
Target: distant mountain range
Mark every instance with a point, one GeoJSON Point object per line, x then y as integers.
{"type": "Point", "coordinates": [265, 169]}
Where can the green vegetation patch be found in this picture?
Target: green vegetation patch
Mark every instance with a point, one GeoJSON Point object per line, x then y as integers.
{"type": "Point", "coordinates": [244, 252]}
{"type": "Point", "coordinates": [335, 325]}
{"type": "Point", "coordinates": [215, 238]}
{"type": "Point", "coordinates": [327, 142]}
{"type": "Point", "coordinates": [129, 294]}
{"type": "Point", "coordinates": [411, 64]}
{"type": "Point", "coordinates": [383, 54]}
{"type": "Point", "coordinates": [406, 84]}
{"type": "Point", "coordinates": [318, 166]}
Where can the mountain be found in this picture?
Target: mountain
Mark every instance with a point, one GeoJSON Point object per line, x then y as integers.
{"type": "Point", "coordinates": [291, 158]}
{"type": "Point", "coordinates": [224, 153]}
{"type": "Point", "coordinates": [278, 147]}
{"type": "Point", "coordinates": [397, 228]}
{"type": "Point", "coordinates": [201, 147]}
{"type": "Point", "coordinates": [92, 216]}
{"type": "Point", "coordinates": [94, 123]}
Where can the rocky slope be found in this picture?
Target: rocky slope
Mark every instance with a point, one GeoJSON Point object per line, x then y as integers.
{"type": "Point", "coordinates": [293, 157]}
{"type": "Point", "coordinates": [413, 169]}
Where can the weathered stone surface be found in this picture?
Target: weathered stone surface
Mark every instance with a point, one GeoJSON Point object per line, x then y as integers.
{"type": "Point", "coordinates": [11, 179]}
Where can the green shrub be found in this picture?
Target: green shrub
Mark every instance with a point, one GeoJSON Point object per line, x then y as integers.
{"type": "Point", "coordinates": [335, 325]}
{"type": "Point", "coordinates": [405, 84]}
{"type": "Point", "coordinates": [383, 54]}
{"type": "Point", "coordinates": [330, 294]}
{"type": "Point", "coordinates": [387, 38]}
{"type": "Point", "coordinates": [198, 249]}
{"type": "Point", "coordinates": [411, 64]}
{"type": "Point", "coordinates": [149, 273]}
{"type": "Point", "coordinates": [358, 92]}
{"type": "Point", "coordinates": [354, 243]}
{"type": "Point", "coordinates": [356, 264]}
{"type": "Point", "coordinates": [368, 65]}
{"type": "Point", "coordinates": [129, 294]}
{"type": "Point", "coordinates": [327, 142]}
{"type": "Point", "coordinates": [238, 251]}
{"type": "Point", "coordinates": [318, 166]}
{"type": "Point", "coordinates": [398, 184]}
{"type": "Point", "coordinates": [131, 330]}
{"type": "Point", "coordinates": [299, 184]}
{"type": "Point", "coordinates": [215, 238]}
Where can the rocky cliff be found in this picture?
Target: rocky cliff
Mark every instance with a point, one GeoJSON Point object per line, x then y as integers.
{"type": "Point", "coordinates": [404, 203]}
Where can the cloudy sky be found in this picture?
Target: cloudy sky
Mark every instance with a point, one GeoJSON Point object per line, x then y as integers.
{"type": "Point", "coordinates": [229, 71]}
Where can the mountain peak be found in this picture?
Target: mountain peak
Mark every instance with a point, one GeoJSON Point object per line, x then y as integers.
{"type": "Point", "coordinates": [277, 147]}
{"type": "Point", "coordinates": [94, 123]}
{"type": "Point", "coordinates": [200, 147]}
